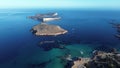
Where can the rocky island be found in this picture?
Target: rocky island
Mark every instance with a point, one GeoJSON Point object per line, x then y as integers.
{"type": "Point", "coordinates": [44, 28]}
{"type": "Point", "coordinates": [117, 26]}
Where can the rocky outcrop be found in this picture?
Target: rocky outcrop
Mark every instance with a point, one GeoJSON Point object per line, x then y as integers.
{"type": "Point", "coordinates": [105, 60]}
{"type": "Point", "coordinates": [100, 59]}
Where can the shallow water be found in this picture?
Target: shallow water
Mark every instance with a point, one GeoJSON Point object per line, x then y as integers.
{"type": "Point", "coordinates": [87, 30]}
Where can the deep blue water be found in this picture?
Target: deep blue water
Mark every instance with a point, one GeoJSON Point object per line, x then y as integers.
{"type": "Point", "coordinates": [86, 28]}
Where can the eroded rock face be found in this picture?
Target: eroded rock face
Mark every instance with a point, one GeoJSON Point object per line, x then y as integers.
{"type": "Point", "coordinates": [45, 29]}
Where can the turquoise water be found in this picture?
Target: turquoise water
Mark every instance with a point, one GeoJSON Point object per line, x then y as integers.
{"type": "Point", "coordinates": [87, 30]}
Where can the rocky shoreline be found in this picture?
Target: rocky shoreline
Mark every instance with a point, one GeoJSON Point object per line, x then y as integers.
{"type": "Point", "coordinates": [100, 59]}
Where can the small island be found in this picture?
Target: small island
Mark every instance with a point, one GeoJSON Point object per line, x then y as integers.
{"type": "Point", "coordinates": [46, 29]}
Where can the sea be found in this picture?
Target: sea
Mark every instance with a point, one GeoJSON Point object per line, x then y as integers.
{"type": "Point", "coordinates": [88, 30]}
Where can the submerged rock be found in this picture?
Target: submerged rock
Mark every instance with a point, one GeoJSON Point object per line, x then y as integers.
{"type": "Point", "coordinates": [38, 65]}
{"type": "Point", "coordinates": [45, 29]}
{"type": "Point", "coordinates": [48, 45]}
{"type": "Point", "coordinates": [103, 48]}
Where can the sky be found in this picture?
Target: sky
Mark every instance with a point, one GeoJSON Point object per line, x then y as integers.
{"type": "Point", "coordinates": [110, 4]}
